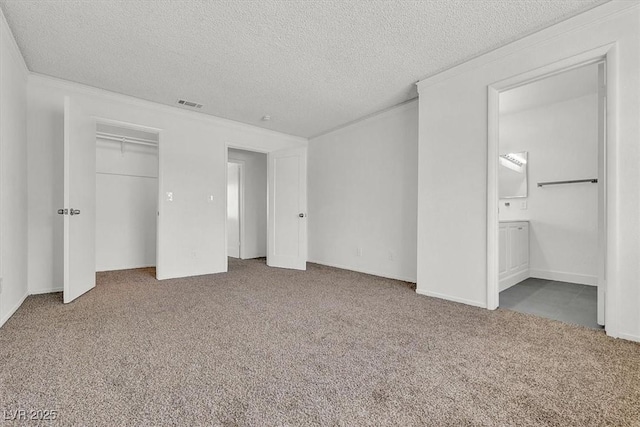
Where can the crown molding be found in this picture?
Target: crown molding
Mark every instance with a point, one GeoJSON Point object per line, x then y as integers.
{"type": "Point", "coordinates": [590, 17]}
{"type": "Point", "coordinates": [67, 85]}
{"type": "Point", "coordinates": [404, 105]}
{"type": "Point", "coordinates": [5, 31]}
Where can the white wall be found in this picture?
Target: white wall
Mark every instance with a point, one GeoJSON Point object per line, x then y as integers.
{"type": "Point", "coordinates": [254, 234]}
{"type": "Point", "coordinates": [562, 142]}
{"type": "Point", "coordinates": [452, 206]}
{"type": "Point", "coordinates": [192, 166]}
{"type": "Point", "coordinates": [126, 204]}
{"type": "Point", "coordinates": [363, 195]}
{"type": "Point", "coordinates": [13, 174]}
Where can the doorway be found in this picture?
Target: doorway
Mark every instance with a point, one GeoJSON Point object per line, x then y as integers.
{"type": "Point", "coordinates": [286, 178]}
{"type": "Point", "coordinates": [126, 197]}
{"type": "Point", "coordinates": [123, 146]}
{"type": "Point", "coordinates": [550, 180]}
{"type": "Point", "coordinates": [246, 204]}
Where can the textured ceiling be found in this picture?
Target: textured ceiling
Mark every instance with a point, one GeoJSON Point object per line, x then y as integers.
{"type": "Point", "coordinates": [560, 87]}
{"type": "Point", "coordinates": [310, 65]}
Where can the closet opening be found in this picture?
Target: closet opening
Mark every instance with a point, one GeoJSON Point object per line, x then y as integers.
{"type": "Point", "coordinates": [246, 204]}
{"type": "Point", "coordinates": [126, 197]}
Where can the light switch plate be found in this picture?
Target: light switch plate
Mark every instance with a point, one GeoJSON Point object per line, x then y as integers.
{"type": "Point", "coordinates": [169, 196]}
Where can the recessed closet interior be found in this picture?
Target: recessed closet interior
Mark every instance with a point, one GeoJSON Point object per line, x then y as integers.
{"type": "Point", "coordinates": [246, 204]}
{"type": "Point", "coordinates": [126, 197]}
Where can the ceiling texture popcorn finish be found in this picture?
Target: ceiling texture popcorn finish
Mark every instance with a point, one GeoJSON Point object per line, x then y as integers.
{"type": "Point", "coordinates": [312, 65]}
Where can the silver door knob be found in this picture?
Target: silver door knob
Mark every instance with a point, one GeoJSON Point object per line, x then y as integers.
{"type": "Point", "coordinates": [301, 215]}
{"type": "Point", "coordinates": [62, 211]}
{"type": "Point", "coordinates": [74, 211]}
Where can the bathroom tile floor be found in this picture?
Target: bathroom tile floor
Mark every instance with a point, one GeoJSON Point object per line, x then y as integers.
{"type": "Point", "coordinates": [567, 302]}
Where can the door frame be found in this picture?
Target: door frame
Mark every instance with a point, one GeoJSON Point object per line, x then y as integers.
{"type": "Point", "coordinates": [241, 180]}
{"type": "Point", "coordinates": [228, 146]}
{"type": "Point", "coordinates": [269, 153]}
{"type": "Point", "coordinates": [608, 55]}
{"type": "Point", "coordinates": [159, 206]}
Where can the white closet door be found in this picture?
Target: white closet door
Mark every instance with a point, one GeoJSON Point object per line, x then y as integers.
{"type": "Point", "coordinates": [287, 222]}
{"type": "Point", "coordinates": [79, 202]}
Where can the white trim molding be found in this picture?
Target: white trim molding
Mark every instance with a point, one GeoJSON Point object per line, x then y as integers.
{"type": "Point", "coordinates": [513, 280]}
{"type": "Point", "coordinates": [13, 309]}
{"type": "Point", "coordinates": [46, 291]}
{"type": "Point", "coordinates": [629, 337]}
{"type": "Point", "coordinates": [451, 298]}
{"type": "Point", "coordinates": [404, 105]}
{"type": "Point", "coordinates": [131, 100]}
{"type": "Point", "coordinates": [562, 276]}
{"type": "Point", "coordinates": [598, 13]}
{"type": "Point", "coordinates": [607, 53]}
{"type": "Point", "coordinates": [365, 271]}
{"type": "Point", "coordinates": [15, 50]}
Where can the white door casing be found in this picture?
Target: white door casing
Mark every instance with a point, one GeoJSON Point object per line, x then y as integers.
{"type": "Point", "coordinates": [79, 203]}
{"type": "Point", "coordinates": [287, 210]}
{"type": "Point", "coordinates": [503, 268]}
{"type": "Point", "coordinates": [606, 238]}
{"type": "Point", "coordinates": [602, 194]}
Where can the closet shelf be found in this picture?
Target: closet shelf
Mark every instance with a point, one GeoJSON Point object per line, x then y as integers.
{"type": "Point", "coordinates": [127, 139]}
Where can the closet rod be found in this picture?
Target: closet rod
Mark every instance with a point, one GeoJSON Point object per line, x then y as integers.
{"type": "Point", "coordinates": [128, 139]}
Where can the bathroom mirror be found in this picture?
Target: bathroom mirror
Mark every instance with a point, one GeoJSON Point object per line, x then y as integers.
{"type": "Point", "coordinates": [512, 175]}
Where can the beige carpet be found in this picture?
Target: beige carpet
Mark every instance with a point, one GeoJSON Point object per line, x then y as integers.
{"type": "Point", "coordinates": [261, 346]}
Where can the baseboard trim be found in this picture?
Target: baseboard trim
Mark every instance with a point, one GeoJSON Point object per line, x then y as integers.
{"type": "Point", "coordinates": [510, 281]}
{"type": "Point", "coordinates": [451, 298]}
{"type": "Point", "coordinates": [561, 276]}
{"type": "Point", "coordinates": [125, 268]}
{"type": "Point", "coordinates": [365, 271]}
{"type": "Point", "coordinates": [182, 275]}
{"type": "Point", "coordinates": [46, 291]}
{"type": "Point", "coordinates": [13, 310]}
{"type": "Point", "coordinates": [252, 257]}
{"type": "Point", "coordinates": [629, 337]}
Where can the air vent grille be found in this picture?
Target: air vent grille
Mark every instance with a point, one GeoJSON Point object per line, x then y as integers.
{"type": "Point", "coordinates": [190, 104]}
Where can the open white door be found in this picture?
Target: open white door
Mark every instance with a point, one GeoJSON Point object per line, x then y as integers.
{"type": "Point", "coordinates": [79, 203]}
{"type": "Point", "coordinates": [287, 223]}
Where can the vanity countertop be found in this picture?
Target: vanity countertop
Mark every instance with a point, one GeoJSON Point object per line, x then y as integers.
{"type": "Point", "coordinates": [513, 220]}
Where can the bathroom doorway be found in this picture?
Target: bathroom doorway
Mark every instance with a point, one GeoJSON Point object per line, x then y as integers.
{"type": "Point", "coordinates": [551, 195]}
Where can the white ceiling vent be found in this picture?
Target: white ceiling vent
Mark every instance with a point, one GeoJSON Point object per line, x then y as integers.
{"type": "Point", "coordinates": [191, 104]}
